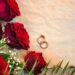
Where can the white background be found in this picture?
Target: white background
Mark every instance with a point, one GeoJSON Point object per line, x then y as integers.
{"type": "Point", "coordinates": [56, 20]}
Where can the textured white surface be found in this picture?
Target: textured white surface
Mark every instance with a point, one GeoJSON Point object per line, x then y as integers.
{"type": "Point", "coordinates": [56, 20]}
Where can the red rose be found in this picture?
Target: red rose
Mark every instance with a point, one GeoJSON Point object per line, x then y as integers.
{"type": "Point", "coordinates": [4, 67]}
{"type": "Point", "coordinates": [31, 58]}
{"type": "Point", "coordinates": [1, 32]}
{"type": "Point", "coordinates": [17, 36]}
{"type": "Point", "coordinates": [8, 10]}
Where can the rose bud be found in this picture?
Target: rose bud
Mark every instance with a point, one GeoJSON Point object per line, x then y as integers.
{"type": "Point", "coordinates": [31, 58]}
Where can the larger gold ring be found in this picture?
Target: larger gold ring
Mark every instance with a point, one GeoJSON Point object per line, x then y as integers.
{"type": "Point", "coordinates": [44, 45]}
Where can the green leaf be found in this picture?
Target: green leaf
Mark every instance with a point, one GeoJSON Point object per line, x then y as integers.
{"type": "Point", "coordinates": [32, 70]}
{"type": "Point", "coordinates": [45, 69]}
{"type": "Point", "coordinates": [23, 70]}
{"type": "Point", "coordinates": [5, 56]}
{"type": "Point", "coordinates": [58, 66]}
{"type": "Point", "coordinates": [73, 72]}
{"type": "Point", "coordinates": [20, 65]}
{"type": "Point", "coordinates": [53, 70]}
{"type": "Point", "coordinates": [25, 63]}
{"type": "Point", "coordinates": [11, 69]}
{"type": "Point", "coordinates": [62, 73]}
{"type": "Point", "coordinates": [6, 70]}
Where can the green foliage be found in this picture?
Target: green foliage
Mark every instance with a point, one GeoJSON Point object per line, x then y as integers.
{"type": "Point", "coordinates": [55, 70]}
{"type": "Point", "coordinates": [5, 56]}
{"type": "Point", "coordinates": [21, 69]}
{"type": "Point", "coordinates": [2, 44]}
{"type": "Point", "coordinates": [62, 73]}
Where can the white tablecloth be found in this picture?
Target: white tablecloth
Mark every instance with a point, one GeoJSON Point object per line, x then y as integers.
{"type": "Point", "coordinates": [56, 20]}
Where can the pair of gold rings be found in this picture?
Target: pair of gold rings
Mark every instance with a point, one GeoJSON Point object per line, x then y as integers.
{"type": "Point", "coordinates": [41, 41]}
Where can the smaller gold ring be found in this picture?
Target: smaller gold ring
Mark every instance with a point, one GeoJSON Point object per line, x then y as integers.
{"type": "Point", "coordinates": [44, 45]}
{"type": "Point", "coordinates": [40, 39]}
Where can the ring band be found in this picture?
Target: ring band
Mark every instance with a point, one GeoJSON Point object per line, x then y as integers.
{"type": "Point", "coordinates": [40, 39]}
{"type": "Point", "coordinates": [44, 45]}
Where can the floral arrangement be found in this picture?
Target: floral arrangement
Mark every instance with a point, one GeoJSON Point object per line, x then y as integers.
{"type": "Point", "coordinates": [13, 37]}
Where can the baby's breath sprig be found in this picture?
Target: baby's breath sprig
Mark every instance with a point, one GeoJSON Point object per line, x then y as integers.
{"type": "Point", "coordinates": [10, 56]}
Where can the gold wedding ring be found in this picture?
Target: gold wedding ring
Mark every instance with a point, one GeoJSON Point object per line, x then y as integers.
{"type": "Point", "coordinates": [44, 45]}
{"type": "Point", "coordinates": [41, 41]}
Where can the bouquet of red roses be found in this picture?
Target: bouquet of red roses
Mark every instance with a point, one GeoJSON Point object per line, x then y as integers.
{"type": "Point", "coordinates": [13, 37]}
{"type": "Point", "coordinates": [10, 64]}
